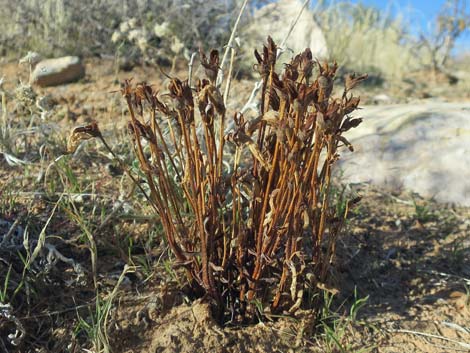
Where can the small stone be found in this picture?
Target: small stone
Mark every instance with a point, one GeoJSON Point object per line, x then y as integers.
{"type": "Point", "coordinates": [53, 72]}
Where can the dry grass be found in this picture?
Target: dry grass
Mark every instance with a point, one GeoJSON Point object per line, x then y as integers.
{"type": "Point", "coordinates": [86, 27]}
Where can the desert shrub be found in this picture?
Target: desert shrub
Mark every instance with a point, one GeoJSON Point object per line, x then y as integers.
{"type": "Point", "coordinates": [452, 21]}
{"type": "Point", "coordinates": [23, 120]}
{"type": "Point", "coordinates": [365, 39]}
{"type": "Point", "coordinates": [57, 27]}
{"type": "Point", "coordinates": [246, 211]}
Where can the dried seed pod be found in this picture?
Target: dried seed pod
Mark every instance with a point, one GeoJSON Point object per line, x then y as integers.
{"type": "Point", "coordinates": [291, 72]}
{"type": "Point", "coordinates": [271, 52]}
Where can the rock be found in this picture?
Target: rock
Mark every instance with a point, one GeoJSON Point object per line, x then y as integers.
{"type": "Point", "coordinates": [53, 72]}
{"type": "Point", "coordinates": [382, 99]}
{"type": "Point", "coordinates": [275, 19]}
{"type": "Point", "coordinates": [424, 148]}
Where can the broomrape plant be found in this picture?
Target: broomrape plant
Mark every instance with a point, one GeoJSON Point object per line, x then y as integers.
{"type": "Point", "coordinates": [257, 225]}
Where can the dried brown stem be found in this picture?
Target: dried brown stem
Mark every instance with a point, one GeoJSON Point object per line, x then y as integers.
{"type": "Point", "coordinates": [265, 219]}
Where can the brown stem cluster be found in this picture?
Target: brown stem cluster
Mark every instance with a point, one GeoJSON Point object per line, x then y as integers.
{"type": "Point", "coordinates": [253, 230]}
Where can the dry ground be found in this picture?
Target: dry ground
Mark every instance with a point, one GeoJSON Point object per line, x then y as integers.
{"type": "Point", "coordinates": [409, 257]}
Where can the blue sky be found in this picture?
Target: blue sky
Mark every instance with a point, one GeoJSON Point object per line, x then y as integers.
{"type": "Point", "coordinates": [419, 13]}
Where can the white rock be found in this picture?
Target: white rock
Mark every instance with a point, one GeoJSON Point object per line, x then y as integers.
{"type": "Point", "coordinates": [275, 20]}
{"type": "Point", "coordinates": [52, 72]}
{"type": "Point", "coordinates": [423, 147]}
{"type": "Point", "coordinates": [382, 99]}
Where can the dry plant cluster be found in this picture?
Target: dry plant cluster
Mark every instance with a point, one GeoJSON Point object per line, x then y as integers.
{"type": "Point", "coordinates": [247, 212]}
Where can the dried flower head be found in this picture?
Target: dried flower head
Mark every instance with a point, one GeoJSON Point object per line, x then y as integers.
{"type": "Point", "coordinates": [211, 65]}
{"type": "Point", "coordinates": [80, 134]}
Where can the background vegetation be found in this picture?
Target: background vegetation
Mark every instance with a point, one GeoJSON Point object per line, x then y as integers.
{"type": "Point", "coordinates": [359, 37]}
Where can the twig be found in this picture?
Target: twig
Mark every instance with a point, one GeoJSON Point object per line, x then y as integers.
{"type": "Point", "coordinates": [456, 327]}
{"type": "Point", "coordinates": [127, 269]}
{"type": "Point", "coordinates": [229, 79]}
{"type": "Point", "coordinates": [429, 335]}
{"type": "Point", "coordinates": [7, 236]}
{"type": "Point", "coordinates": [250, 103]}
{"type": "Point", "coordinates": [220, 76]}
{"type": "Point", "coordinates": [443, 274]}
{"type": "Point", "coordinates": [396, 199]}
{"type": "Point", "coordinates": [33, 194]}
{"type": "Point", "coordinates": [190, 66]}
{"type": "Point", "coordinates": [291, 28]}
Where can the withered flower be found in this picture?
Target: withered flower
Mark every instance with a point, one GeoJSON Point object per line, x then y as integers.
{"type": "Point", "coordinates": [145, 92]}
{"type": "Point", "coordinates": [290, 72]}
{"type": "Point", "coordinates": [351, 81]}
{"type": "Point", "coordinates": [82, 133]}
{"type": "Point", "coordinates": [268, 60]}
{"type": "Point", "coordinates": [126, 88]}
{"type": "Point", "coordinates": [325, 87]}
{"type": "Point", "coordinates": [210, 94]}
{"type": "Point", "coordinates": [262, 216]}
{"type": "Point", "coordinates": [351, 104]}
{"type": "Point", "coordinates": [181, 93]}
{"type": "Point", "coordinates": [211, 66]}
{"type": "Point", "coordinates": [307, 94]}
{"type": "Point", "coordinates": [305, 63]}
{"type": "Point", "coordinates": [350, 123]}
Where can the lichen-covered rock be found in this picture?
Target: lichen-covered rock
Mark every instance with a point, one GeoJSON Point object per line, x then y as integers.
{"type": "Point", "coordinates": [422, 147]}
{"type": "Point", "coordinates": [53, 72]}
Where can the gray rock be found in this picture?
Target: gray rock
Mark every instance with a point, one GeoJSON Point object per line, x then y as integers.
{"type": "Point", "coordinates": [422, 147]}
{"type": "Point", "coordinates": [275, 19]}
{"type": "Point", "coordinates": [53, 72]}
